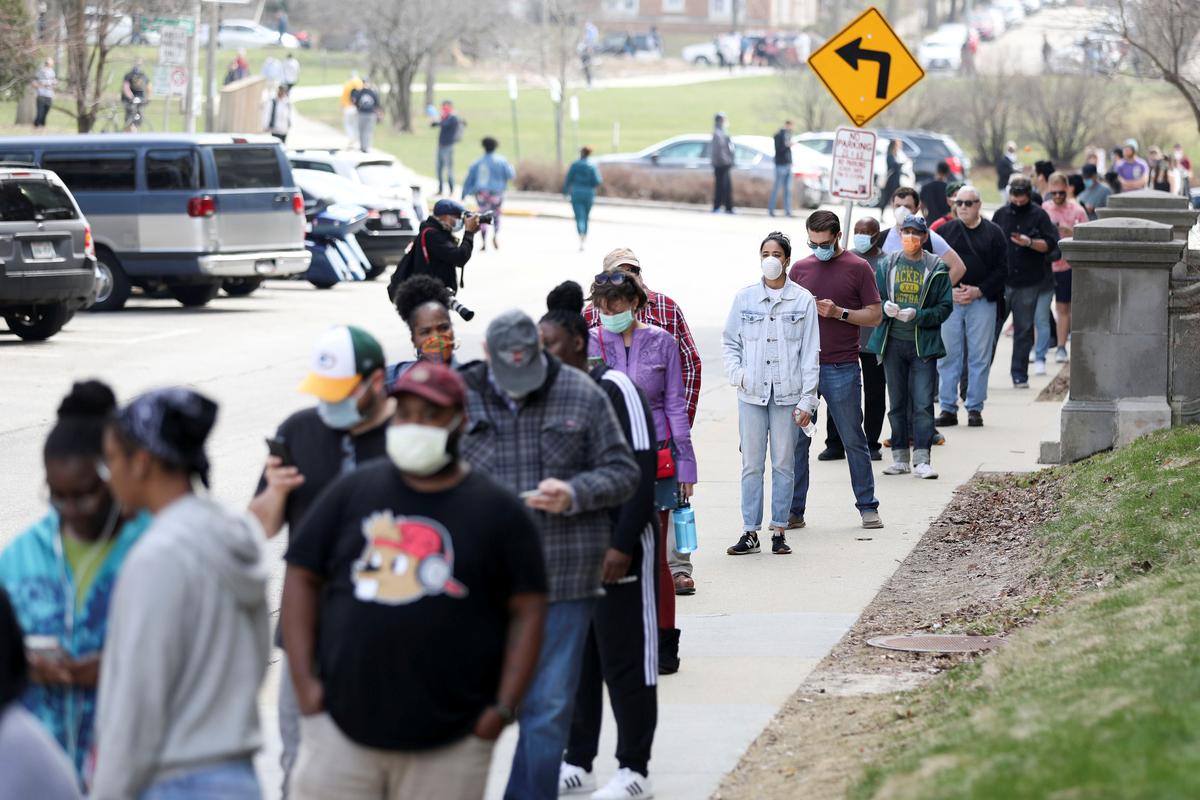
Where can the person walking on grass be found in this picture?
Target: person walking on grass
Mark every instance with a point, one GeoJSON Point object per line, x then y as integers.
{"type": "Point", "coordinates": [488, 179]}
{"type": "Point", "coordinates": [770, 347]}
{"type": "Point", "coordinates": [44, 84]}
{"type": "Point", "coordinates": [580, 184]}
{"type": "Point", "coordinates": [721, 154]}
{"type": "Point", "coordinates": [916, 288]}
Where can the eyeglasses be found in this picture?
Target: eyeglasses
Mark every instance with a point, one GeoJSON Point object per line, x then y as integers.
{"type": "Point", "coordinates": [614, 278]}
{"type": "Point", "coordinates": [967, 203]}
{"type": "Point", "coordinates": [1056, 194]}
{"type": "Point", "coordinates": [814, 245]}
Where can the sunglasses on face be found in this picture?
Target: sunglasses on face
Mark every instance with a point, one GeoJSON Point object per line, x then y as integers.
{"type": "Point", "coordinates": [814, 245]}
{"type": "Point", "coordinates": [1056, 194]}
{"type": "Point", "coordinates": [967, 203]}
{"type": "Point", "coordinates": [614, 278]}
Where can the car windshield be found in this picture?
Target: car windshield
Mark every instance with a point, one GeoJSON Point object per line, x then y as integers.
{"type": "Point", "coordinates": [30, 200]}
{"type": "Point", "coordinates": [381, 173]}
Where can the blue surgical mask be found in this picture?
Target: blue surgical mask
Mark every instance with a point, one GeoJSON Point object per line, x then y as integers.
{"type": "Point", "coordinates": [862, 242]}
{"type": "Point", "coordinates": [617, 323]}
{"type": "Point", "coordinates": [341, 416]}
{"type": "Point", "coordinates": [824, 253]}
{"type": "Point", "coordinates": [1089, 182]}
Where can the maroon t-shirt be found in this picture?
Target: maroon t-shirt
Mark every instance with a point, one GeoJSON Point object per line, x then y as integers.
{"type": "Point", "coordinates": [848, 281]}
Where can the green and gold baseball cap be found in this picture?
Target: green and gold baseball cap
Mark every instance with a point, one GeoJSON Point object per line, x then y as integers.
{"type": "Point", "coordinates": [343, 356]}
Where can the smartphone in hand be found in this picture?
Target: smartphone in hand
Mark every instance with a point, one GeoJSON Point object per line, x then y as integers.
{"type": "Point", "coordinates": [278, 448]}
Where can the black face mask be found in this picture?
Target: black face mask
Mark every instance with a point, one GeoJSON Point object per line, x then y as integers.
{"type": "Point", "coordinates": [1021, 209]}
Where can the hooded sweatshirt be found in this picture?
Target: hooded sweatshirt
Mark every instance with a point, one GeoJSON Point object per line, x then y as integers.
{"type": "Point", "coordinates": [187, 648]}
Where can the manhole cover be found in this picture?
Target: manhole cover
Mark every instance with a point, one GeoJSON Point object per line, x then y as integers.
{"type": "Point", "coordinates": [936, 644]}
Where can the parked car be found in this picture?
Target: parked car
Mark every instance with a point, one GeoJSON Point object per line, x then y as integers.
{"type": "Point", "coordinates": [384, 174]}
{"type": "Point", "coordinates": [236, 33]}
{"type": "Point", "coordinates": [390, 226]}
{"type": "Point", "coordinates": [1013, 11]}
{"type": "Point", "coordinates": [754, 158]}
{"type": "Point", "coordinates": [702, 54]}
{"type": "Point", "coordinates": [336, 253]}
{"type": "Point", "coordinates": [178, 212]}
{"type": "Point", "coordinates": [47, 261]}
{"type": "Point", "coordinates": [926, 148]}
{"type": "Point", "coordinates": [820, 144]}
{"type": "Point", "coordinates": [616, 44]}
{"type": "Point", "coordinates": [941, 51]}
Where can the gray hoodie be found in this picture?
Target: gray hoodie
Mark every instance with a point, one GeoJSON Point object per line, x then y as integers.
{"type": "Point", "coordinates": [186, 650]}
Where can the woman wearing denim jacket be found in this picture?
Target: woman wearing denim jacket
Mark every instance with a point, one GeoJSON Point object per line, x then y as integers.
{"type": "Point", "coordinates": [770, 347]}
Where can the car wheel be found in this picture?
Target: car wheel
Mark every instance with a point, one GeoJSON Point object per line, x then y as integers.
{"type": "Point", "coordinates": [38, 323]}
{"type": "Point", "coordinates": [323, 284]}
{"type": "Point", "coordinates": [375, 271]}
{"type": "Point", "coordinates": [241, 287]}
{"type": "Point", "coordinates": [112, 285]}
{"type": "Point", "coordinates": [194, 295]}
{"type": "Point", "coordinates": [701, 61]}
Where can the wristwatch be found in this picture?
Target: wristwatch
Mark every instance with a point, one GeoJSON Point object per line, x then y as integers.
{"type": "Point", "coordinates": [505, 713]}
{"type": "Point", "coordinates": [845, 315]}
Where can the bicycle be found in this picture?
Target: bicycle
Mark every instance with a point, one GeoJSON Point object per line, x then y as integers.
{"type": "Point", "coordinates": [127, 117]}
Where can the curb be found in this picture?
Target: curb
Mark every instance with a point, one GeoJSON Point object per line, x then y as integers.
{"type": "Point", "coordinates": [624, 202]}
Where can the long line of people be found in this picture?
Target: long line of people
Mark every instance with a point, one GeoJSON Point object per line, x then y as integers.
{"type": "Point", "coordinates": [475, 544]}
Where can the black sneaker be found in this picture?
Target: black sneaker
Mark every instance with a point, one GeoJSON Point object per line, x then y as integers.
{"type": "Point", "coordinates": [946, 420]}
{"type": "Point", "coordinates": [795, 521]}
{"type": "Point", "coordinates": [830, 454]}
{"type": "Point", "coordinates": [877, 455]}
{"type": "Point", "coordinates": [746, 545]}
{"type": "Point", "coordinates": [975, 419]}
{"type": "Point", "coordinates": [779, 545]}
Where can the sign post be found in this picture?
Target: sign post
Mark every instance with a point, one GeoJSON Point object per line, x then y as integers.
{"type": "Point", "coordinates": [853, 174]}
{"type": "Point", "coordinates": [172, 60]}
{"type": "Point", "coordinates": [573, 112]}
{"type": "Point", "coordinates": [512, 99]}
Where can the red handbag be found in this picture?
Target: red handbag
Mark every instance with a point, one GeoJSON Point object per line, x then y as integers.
{"type": "Point", "coordinates": [666, 463]}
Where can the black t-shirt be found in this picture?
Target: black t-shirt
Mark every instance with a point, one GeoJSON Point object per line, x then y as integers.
{"type": "Point", "coordinates": [137, 82]}
{"type": "Point", "coordinates": [414, 615]}
{"type": "Point", "coordinates": [933, 197]}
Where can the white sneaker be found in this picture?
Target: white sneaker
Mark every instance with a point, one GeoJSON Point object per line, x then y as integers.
{"type": "Point", "coordinates": [897, 468]}
{"type": "Point", "coordinates": [1060, 356]}
{"type": "Point", "coordinates": [574, 780]}
{"type": "Point", "coordinates": [924, 471]}
{"type": "Point", "coordinates": [624, 785]}
{"type": "Point", "coordinates": [1039, 368]}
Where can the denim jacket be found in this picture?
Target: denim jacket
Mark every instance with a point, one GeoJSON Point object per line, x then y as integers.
{"type": "Point", "coordinates": [759, 331]}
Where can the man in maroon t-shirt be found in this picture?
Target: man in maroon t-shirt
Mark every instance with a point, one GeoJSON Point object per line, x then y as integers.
{"type": "Point", "coordinates": [847, 299]}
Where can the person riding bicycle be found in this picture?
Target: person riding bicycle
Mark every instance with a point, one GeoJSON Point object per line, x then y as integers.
{"type": "Point", "coordinates": [135, 92]}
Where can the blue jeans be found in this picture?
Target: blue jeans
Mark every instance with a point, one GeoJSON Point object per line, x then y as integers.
{"type": "Point", "coordinates": [1041, 323]}
{"type": "Point", "coordinates": [841, 387]}
{"type": "Point", "coordinates": [968, 329]}
{"type": "Point", "coordinates": [545, 719]}
{"type": "Point", "coordinates": [757, 424]}
{"type": "Point", "coordinates": [232, 780]}
{"type": "Point", "coordinates": [783, 180]}
{"type": "Point", "coordinates": [445, 162]}
{"type": "Point", "coordinates": [910, 379]}
{"type": "Point", "coordinates": [1022, 302]}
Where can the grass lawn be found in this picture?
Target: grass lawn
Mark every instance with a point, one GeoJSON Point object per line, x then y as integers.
{"type": "Point", "coordinates": [1102, 698]}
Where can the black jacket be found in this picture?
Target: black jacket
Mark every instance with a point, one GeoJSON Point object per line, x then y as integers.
{"type": "Point", "coordinates": [1026, 266]}
{"type": "Point", "coordinates": [783, 147]}
{"type": "Point", "coordinates": [435, 252]}
{"type": "Point", "coordinates": [984, 251]}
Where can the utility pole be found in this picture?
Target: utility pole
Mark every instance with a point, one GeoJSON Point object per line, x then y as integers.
{"type": "Point", "coordinates": [210, 73]}
{"type": "Point", "coordinates": [190, 98]}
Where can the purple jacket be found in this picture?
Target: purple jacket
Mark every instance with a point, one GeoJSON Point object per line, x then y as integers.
{"type": "Point", "coordinates": [653, 364]}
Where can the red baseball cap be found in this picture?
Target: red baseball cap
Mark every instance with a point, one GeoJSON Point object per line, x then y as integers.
{"type": "Point", "coordinates": [436, 383]}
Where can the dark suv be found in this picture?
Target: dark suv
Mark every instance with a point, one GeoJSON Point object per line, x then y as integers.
{"type": "Point", "coordinates": [47, 263]}
{"type": "Point", "coordinates": [926, 149]}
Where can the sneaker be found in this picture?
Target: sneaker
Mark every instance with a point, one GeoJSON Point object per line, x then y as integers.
{"type": "Point", "coordinates": [624, 785]}
{"type": "Point", "coordinates": [975, 419]}
{"type": "Point", "coordinates": [575, 780]}
{"type": "Point", "coordinates": [779, 545]}
{"type": "Point", "coordinates": [1060, 356]}
{"type": "Point", "coordinates": [897, 468]}
{"type": "Point", "coordinates": [877, 455]}
{"type": "Point", "coordinates": [938, 438]}
{"type": "Point", "coordinates": [946, 419]}
{"type": "Point", "coordinates": [1039, 368]}
{"type": "Point", "coordinates": [924, 471]}
{"type": "Point", "coordinates": [795, 521]}
{"type": "Point", "coordinates": [746, 545]}
{"type": "Point", "coordinates": [830, 454]}
{"type": "Point", "coordinates": [871, 520]}
{"type": "Point", "coordinates": [1021, 384]}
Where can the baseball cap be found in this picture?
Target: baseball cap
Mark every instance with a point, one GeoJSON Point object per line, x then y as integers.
{"type": "Point", "coordinates": [621, 257]}
{"type": "Point", "coordinates": [1088, 170]}
{"type": "Point", "coordinates": [952, 187]}
{"type": "Point", "coordinates": [447, 206]}
{"type": "Point", "coordinates": [915, 223]}
{"type": "Point", "coordinates": [342, 356]}
{"type": "Point", "coordinates": [436, 383]}
{"type": "Point", "coordinates": [515, 355]}
{"type": "Point", "coordinates": [1130, 143]}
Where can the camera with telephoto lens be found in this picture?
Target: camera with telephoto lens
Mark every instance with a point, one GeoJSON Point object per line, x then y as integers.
{"type": "Point", "coordinates": [485, 218]}
{"type": "Point", "coordinates": [464, 312]}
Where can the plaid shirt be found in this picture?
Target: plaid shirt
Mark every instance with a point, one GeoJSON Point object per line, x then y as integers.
{"type": "Point", "coordinates": [662, 312]}
{"type": "Point", "coordinates": [565, 430]}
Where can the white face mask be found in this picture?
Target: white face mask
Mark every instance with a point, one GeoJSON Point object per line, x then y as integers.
{"type": "Point", "coordinates": [902, 215]}
{"type": "Point", "coordinates": [420, 449]}
{"type": "Point", "coordinates": [772, 268]}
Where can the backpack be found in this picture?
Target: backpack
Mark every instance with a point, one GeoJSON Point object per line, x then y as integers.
{"type": "Point", "coordinates": [404, 270]}
{"type": "Point", "coordinates": [366, 101]}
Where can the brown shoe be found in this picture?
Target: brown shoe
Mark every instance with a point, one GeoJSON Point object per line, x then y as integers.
{"type": "Point", "coordinates": [684, 583]}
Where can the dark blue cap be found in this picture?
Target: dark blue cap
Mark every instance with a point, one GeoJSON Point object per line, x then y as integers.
{"type": "Point", "coordinates": [915, 223]}
{"type": "Point", "coordinates": [447, 206]}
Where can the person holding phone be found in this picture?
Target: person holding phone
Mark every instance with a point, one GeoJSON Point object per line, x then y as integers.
{"type": "Point", "coordinates": [315, 446]}
{"type": "Point", "coordinates": [61, 571]}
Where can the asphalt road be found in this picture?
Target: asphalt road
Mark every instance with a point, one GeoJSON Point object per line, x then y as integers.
{"type": "Point", "coordinates": [756, 626]}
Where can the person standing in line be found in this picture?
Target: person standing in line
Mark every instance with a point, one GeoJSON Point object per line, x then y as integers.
{"type": "Point", "coordinates": [1065, 214]}
{"type": "Point", "coordinates": [32, 764]}
{"type": "Point", "coordinates": [580, 184]}
{"type": "Point", "coordinates": [783, 170]}
{"type": "Point", "coordinates": [193, 593]}
{"type": "Point", "coordinates": [622, 646]}
{"type": "Point", "coordinates": [1031, 238]}
{"type": "Point", "coordinates": [770, 347]}
{"type": "Point", "coordinates": [866, 243]}
{"type": "Point", "coordinates": [895, 169]}
{"type": "Point", "coordinates": [488, 179]}
{"type": "Point", "coordinates": [847, 299]}
{"type": "Point", "coordinates": [1160, 170]}
{"type": "Point", "coordinates": [951, 195]}
{"type": "Point", "coordinates": [368, 113]}
{"type": "Point", "coordinates": [61, 571]}
{"type": "Point", "coordinates": [345, 429]}
{"type": "Point", "coordinates": [971, 326]}
{"type": "Point", "coordinates": [909, 342]}
{"type": "Point", "coordinates": [1006, 167]}
{"type": "Point", "coordinates": [933, 195]}
{"type": "Point", "coordinates": [413, 610]}
{"type": "Point", "coordinates": [44, 84]}
{"type": "Point", "coordinates": [1132, 171]}
{"type": "Point", "coordinates": [650, 357]}
{"type": "Point", "coordinates": [548, 433]}
{"type": "Point", "coordinates": [450, 131]}
{"type": "Point", "coordinates": [277, 114]}
{"type": "Point", "coordinates": [349, 111]}
{"type": "Point", "coordinates": [1095, 192]}
{"type": "Point", "coordinates": [663, 312]}
{"type": "Point", "coordinates": [291, 71]}
{"type": "Point", "coordinates": [721, 153]}
{"type": "Point", "coordinates": [423, 302]}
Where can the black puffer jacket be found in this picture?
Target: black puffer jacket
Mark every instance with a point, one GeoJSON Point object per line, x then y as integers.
{"type": "Point", "coordinates": [435, 252]}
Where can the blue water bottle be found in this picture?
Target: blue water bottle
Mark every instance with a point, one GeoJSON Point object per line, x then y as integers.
{"type": "Point", "coordinates": [684, 519]}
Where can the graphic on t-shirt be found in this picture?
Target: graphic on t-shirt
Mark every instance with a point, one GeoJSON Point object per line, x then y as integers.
{"type": "Point", "coordinates": [908, 284]}
{"type": "Point", "coordinates": [404, 560]}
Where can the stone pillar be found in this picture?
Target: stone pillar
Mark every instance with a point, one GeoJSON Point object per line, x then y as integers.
{"type": "Point", "coordinates": [1169, 209]}
{"type": "Point", "coordinates": [1119, 333]}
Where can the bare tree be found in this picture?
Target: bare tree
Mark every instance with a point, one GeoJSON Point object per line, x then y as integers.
{"type": "Point", "coordinates": [990, 113]}
{"type": "Point", "coordinates": [926, 105]}
{"type": "Point", "coordinates": [1065, 112]}
{"type": "Point", "coordinates": [401, 36]}
{"type": "Point", "coordinates": [808, 101]}
{"type": "Point", "coordinates": [18, 49]}
{"type": "Point", "coordinates": [1166, 35]}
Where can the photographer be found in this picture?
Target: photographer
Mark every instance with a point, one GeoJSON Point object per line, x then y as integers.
{"type": "Point", "coordinates": [436, 251]}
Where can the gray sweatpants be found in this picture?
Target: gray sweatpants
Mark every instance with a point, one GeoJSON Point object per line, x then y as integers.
{"type": "Point", "coordinates": [677, 562]}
